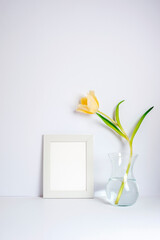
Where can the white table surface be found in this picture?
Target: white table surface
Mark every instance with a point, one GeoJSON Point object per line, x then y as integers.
{"type": "Point", "coordinates": [27, 218]}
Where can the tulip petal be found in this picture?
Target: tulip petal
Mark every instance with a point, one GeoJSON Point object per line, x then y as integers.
{"type": "Point", "coordinates": [93, 95]}
{"type": "Point", "coordinates": [84, 109]}
{"type": "Point", "coordinates": [84, 101]}
{"type": "Point", "coordinates": [92, 104]}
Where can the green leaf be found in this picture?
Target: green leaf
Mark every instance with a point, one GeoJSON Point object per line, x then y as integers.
{"type": "Point", "coordinates": [111, 125]}
{"type": "Point", "coordinates": [117, 115]}
{"type": "Point", "coordinates": [139, 123]}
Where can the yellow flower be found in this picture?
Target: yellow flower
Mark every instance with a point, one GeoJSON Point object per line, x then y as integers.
{"type": "Point", "coordinates": [89, 104]}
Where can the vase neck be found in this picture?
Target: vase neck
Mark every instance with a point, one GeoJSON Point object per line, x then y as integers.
{"type": "Point", "coordinates": [120, 163]}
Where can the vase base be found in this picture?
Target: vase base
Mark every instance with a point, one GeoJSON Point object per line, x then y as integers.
{"type": "Point", "coordinates": [129, 195]}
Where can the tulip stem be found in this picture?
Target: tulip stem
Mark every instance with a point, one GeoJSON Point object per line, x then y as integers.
{"type": "Point", "coordinates": [108, 117]}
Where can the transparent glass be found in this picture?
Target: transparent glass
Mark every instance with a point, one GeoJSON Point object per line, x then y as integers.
{"type": "Point", "coordinates": [130, 191]}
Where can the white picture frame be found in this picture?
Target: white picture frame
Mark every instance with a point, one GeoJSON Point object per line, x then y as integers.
{"type": "Point", "coordinates": [68, 166]}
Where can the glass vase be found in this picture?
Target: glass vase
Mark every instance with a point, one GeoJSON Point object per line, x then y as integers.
{"type": "Point", "coordinates": [121, 182]}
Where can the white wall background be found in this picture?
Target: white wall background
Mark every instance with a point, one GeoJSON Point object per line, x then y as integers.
{"type": "Point", "coordinates": [51, 53]}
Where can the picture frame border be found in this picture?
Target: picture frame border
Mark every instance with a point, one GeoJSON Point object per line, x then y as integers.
{"type": "Point", "coordinates": [47, 192]}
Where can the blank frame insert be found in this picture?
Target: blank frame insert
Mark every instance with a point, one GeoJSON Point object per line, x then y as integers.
{"type": "Point", "coordinates": [68, 166]}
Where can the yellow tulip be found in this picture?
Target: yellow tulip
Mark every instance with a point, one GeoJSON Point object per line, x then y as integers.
{"type": "Point", "coordinates": [89, 104]}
